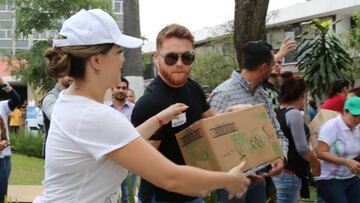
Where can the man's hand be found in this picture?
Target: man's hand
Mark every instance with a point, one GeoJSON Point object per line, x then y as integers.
{"type": "Point", "coordinates": [2, 82]}
{"type": "Point", "coordinates": [276, 168]}
{"type": "Point", "coordinates": [238, 107]}
{"type": "Point", "coordinates": [255, 178]}
{"type": "Point", "coordinates": [286, 47]}
{"type": "Point", "coordinates": [7, 88]}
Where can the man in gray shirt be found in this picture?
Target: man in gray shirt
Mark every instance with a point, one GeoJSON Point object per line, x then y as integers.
{"type": "Point", "coordinates": [245, 88]}
{"type": "Point", "coordinates": [48, 101]}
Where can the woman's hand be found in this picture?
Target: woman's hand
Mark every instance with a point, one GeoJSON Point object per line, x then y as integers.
{"type": "Point", "coordinates": [170, 113]}
{"type": "Point", "coordinates": [239, 184]}
{"type": "Point", "coordinates": [316, 167]}
{"type": "Point", "coordinates": [354, 166]}
{"type": "Point", "coordinates": [3, 144]}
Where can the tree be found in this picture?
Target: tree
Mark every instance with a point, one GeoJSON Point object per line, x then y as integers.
{"type": "Point", "coordinates": [249, 23]}
{"type": "Point", "coordinates": [40, 15]}
{"type": "Point", "coordinates": [322, 59]}
{"type": "Point", "coordinates": [30, 67]}
{"type": "Point", "coordinates": [212, 68]}
{"type": "Point", "coordinates": [354, 44]}
{"type": "Point", "coordinates": [133, 65]}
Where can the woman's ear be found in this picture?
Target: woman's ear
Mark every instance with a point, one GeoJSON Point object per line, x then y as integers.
{"type": "Point", "coordinates": [94, 62]}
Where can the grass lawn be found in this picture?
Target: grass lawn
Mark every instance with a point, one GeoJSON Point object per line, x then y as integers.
{"type": "Point", "coordinates": [26, 170]}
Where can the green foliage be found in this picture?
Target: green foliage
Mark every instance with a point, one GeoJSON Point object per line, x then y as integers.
{"type": "Point", "coordinates": [43, 15]}
{"type": "Point", "coordinates": [354, 44]}
{"type": "Point", "coordinates": [29, 144]}
{"type": "Point", "coordinates": [322, 59]}
{"type": "Point", "coordinates": [33, 72]}
{"type": "Point", "coordinates": [212, 68]}
{"type": "Point", "coordinates": [131, 198]}
{"type": "Point", "coordinates": [355, 32]}
{"type": "Point", "coordinates": [211, 198]}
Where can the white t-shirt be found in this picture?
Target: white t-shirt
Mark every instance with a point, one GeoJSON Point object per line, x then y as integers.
{"type": "Point", "coordinates": [4, 113]}
{"type": "Point", "coordinates": [82, 132]}
{"type": "Point", "coordinates": [343, 142]}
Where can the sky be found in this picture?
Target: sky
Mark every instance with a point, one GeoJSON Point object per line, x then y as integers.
{"type": "Point", "coordinates": [193, 14]}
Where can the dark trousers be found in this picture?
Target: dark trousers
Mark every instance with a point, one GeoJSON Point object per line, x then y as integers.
{"type": "Point", "coordinates": [3, 180]}
{"type": "Point", "coordinates": [256, 194]}
{"type": "Point", "coordinates": [339, 191]}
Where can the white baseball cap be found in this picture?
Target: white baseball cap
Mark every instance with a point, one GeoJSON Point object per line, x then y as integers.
{"type": "Point", "coordinates": [91, 27]}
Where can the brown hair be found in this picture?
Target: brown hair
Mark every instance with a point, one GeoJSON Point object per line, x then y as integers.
{"type": "Point", "coordinates": [71, 60]}
{"type": "Point", "coordinates": [292, 89]}
{"type": "Point", "coordinates": [173, 30]}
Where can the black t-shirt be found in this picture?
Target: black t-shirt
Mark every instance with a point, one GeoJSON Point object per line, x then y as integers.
{"type": "Point", "coordinates": [158, 96]}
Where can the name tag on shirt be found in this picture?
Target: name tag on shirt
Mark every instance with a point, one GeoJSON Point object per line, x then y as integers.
{"type": "Point", "coordinates": [181, 119]}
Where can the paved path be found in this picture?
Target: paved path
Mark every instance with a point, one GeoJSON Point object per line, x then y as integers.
{"type": "Point", "coordinates": [24, 193]}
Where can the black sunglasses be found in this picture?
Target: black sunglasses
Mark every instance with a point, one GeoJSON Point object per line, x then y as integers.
{"type": "Point", "coordinates": [171, 58]}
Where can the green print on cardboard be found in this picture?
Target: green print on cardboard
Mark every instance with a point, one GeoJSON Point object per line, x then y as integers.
{"type": "Point", "coordinates": [240, 142]}
{"type": "Point", "coordinates": [257, 140]}
{"type": "Point", "coordinates": [194, 153]}
{"type": "Point", "coordinates": [261, 116]}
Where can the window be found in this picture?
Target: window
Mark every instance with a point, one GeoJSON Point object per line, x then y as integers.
{"type": "Point", "coordinates": [6, 34]}
{"type": "Point", "coordinates": [2, 34]}
{"type": "Point", "coordinates": [9, 34]}
{"type": "Point", "coordinates": [118, 6]}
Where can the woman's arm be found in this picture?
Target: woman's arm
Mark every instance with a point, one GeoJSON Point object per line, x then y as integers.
{"type": "Point", "coordinates": [144, 160]}
{"type": "Point", "coordinates": [324, 154]}
{"type": "Point", "coordinates": [295, 121]}
{"type": "Point", "coordinates": [150, 126]}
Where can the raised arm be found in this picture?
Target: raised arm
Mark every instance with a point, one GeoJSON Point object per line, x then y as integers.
{"type": "Point", "coordinates": [14, 100]}
{"type": "Point", "coordinates": [286, 47]}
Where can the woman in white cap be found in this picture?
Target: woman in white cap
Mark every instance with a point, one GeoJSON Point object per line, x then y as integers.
{"type": "Point", "coordinates": [90, 145]}
{"type": "Point", "coordinates": [339, 151]}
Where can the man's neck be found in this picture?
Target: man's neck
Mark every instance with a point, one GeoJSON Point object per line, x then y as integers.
{"type": "Point", "coordinates": [118, 103]}
{"type": "Point", "coordinates": [252, 77]}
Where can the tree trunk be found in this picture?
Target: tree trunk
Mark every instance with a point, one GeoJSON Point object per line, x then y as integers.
{"type": "Point", "coordinates": [133, 65]}
{"type": "Point", "coordinates": [249, 23]}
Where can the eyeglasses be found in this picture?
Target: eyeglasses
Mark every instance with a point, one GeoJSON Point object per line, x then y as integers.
{"type": "Point", "coordinates": [171, 58]}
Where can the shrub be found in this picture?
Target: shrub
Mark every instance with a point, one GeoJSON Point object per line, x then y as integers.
{"type": "Point", "coordinates": [27, 143]}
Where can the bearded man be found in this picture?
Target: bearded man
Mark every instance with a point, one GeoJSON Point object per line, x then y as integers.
{"type": "Point", "coordinates": [173, 58]}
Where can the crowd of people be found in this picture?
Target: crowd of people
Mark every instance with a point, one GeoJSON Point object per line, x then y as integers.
{"type": "Point", "coordinates": [92, 148]}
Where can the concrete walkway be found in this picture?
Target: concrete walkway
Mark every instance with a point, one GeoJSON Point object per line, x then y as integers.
{"type": "Point", "coordinates": [24, 193]}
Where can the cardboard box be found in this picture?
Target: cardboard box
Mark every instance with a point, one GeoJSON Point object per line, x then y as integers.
{"type": "Point", "coordinates": [223, 141]}
{"type": "Point", "coordinates": [321, 117]}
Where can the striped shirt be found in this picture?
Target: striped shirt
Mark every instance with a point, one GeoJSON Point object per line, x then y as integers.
{"type": "Point", "coordinates": [343, 142]}
{"type": "Point", "coordinates": [237, 90]}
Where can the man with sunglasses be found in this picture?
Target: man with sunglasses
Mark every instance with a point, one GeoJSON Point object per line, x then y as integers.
{"type": "Point", "coordinates": [245, 88]}
{"type": "Point", "coordinates": [173, 57]}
